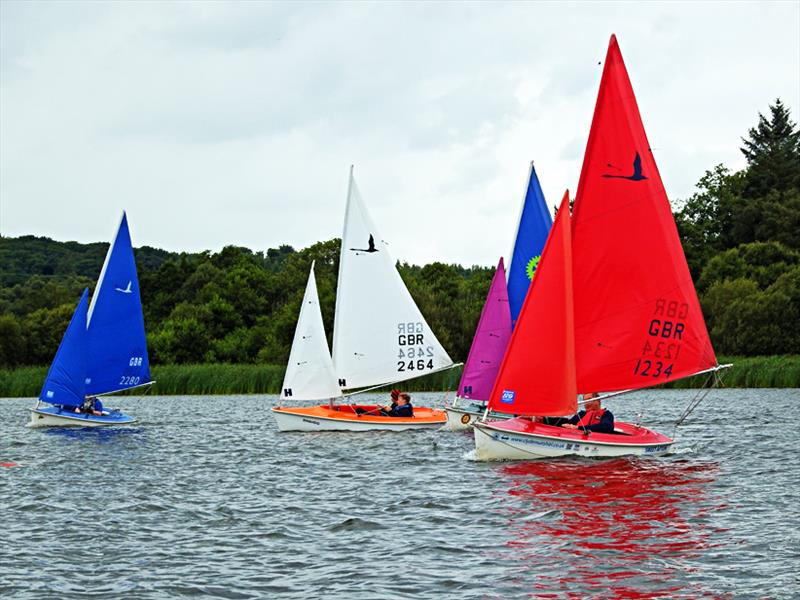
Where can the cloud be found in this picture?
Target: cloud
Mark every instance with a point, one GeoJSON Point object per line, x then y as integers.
{"type": "Point", "coordinates": [235, 123]}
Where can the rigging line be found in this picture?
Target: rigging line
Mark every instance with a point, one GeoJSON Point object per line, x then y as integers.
{"type": "Point", "coordinates": [701, 395]}
{"type": "Point", "coordinates": [375, 387]}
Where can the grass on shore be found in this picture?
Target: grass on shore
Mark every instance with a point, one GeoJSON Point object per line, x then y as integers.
{"type": "Point", "coordinates": [747, 372]}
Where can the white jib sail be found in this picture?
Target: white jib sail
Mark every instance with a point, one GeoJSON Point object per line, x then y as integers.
{"type": "Point", "coordinates": [309, 373]}
{"type": "Point", "coordinates": [379, 334]}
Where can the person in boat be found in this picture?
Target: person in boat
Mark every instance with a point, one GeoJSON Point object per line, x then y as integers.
{"type": "Point", "coordinates": [593, 417]}
{"type": "Point", "coordinates": [394, 395]}
{"type": "Point", "coordinates": [91, 406]}
{"type": "Point", "coordinates": [402, 408]}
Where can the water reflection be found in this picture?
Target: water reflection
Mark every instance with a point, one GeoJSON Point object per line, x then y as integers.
{"type": "Point", "coordinates": [622, 528]}
{"type": "Point", "coordinates": [98, 435]}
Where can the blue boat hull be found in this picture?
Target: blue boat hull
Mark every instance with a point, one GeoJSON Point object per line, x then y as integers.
{"type": "Point", "coordinates": [55, 416]}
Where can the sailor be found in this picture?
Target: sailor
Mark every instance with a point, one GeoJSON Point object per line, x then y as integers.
{"type": "Point", "coordinates": [92, 406]}
{"type": "Point", "coordinates": [593, 417]}
{"type": "Point", "coordinates": [402, 408]}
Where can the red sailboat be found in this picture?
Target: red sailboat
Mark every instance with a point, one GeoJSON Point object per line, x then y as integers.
{"type": "Point", "coordinates": [614, 308]}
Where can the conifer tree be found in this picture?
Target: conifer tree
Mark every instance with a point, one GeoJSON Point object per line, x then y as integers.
{"type": "Point", "coordinates": [772, 150]}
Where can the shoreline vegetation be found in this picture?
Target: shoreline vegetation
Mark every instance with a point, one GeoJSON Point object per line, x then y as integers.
{"type": "Point", "coordinates": [227, 379]}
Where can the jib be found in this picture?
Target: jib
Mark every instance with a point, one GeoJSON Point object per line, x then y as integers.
{"type": "Point", "coordinates": [411, 339]}
{"type": "Point", "coordinates": [666, 329]}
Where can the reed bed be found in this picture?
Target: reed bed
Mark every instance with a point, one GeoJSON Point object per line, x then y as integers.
{"type": "Point", "coordinates": [221, 379]}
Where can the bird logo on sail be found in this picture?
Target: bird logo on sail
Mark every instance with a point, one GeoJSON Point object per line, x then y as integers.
{"type": "Point", "coordinates": [127, 290]}
{"type": "Point", "coordinates": [370, 246]}
{"type": "Point", "coordinates": [637, 171]}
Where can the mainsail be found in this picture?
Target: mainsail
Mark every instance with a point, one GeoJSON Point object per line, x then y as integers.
{"type": "Point", "coordinates": [622, 311]}
{"type": "Point", "coordinates": [309, 373]}
{"type": "Point", "coordinates": [534, 225]}
{"type": "Point", "coordinates": [379, 335]}
{"type": "Point", "coordinates": [638, 322]}
{"type": "Point", "coordinates": [65, 382]}
{"type": "Point", "coordinates": [489, 343]}
{"type": "Point", "coordinates": [537, 376]}
{"type": "Point", "coordinates": [116, 344]}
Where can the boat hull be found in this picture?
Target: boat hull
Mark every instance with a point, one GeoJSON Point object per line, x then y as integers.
{"type": "Point", "coordinates": [344, 418]}
{"type": "Point", "coordinates": [463, 413]}
{"type": "Point", "coordinates": [522, 439]}
{"type": "Point", "coordinates": [54, 416]}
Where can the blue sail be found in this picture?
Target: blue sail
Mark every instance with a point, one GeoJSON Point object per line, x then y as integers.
{"type": "Point", "coordinates": [65, 382]}
{"type": "Point", "coordinates": [534, 226]}
{"type": "Point", "coordinates": [117, 357]}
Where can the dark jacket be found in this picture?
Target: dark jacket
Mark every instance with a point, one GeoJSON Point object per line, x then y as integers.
{"type": "Point", "coordinates": [400, 411]}
{"type": "Point", "coordinates": [606, 424]}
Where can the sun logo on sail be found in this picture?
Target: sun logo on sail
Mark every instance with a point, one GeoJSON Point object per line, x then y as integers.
{"type": "Point", "coordinates": [530, 269]}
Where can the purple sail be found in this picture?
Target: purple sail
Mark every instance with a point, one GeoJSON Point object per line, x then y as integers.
{"type": "Point", "coordinates": [490, 341]}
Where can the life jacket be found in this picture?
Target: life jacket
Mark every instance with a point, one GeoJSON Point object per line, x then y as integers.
{"type": "Point", "coordinates": [592, 417]}
{"type": "Point", "coordinates": [403, 411]}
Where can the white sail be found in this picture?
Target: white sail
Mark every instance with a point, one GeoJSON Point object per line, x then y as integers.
{"type": "Point", "coordinates": [379, 334]}
{"type": "Point", "coordinates": [309, 373]}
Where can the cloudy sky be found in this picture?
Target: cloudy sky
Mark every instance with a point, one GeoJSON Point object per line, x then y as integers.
{"type": "Point", "coordinates": [216, 123]}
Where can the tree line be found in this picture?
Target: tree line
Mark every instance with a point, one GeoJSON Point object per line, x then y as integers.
{"type": "Point", "coordinates": [739, 231]}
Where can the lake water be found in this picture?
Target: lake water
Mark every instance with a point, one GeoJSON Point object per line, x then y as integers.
{"type": "Point", "coordinates": [204, 497]}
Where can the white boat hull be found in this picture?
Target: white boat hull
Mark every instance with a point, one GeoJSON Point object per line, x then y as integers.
{"type": "Point", "coordinates": [464, 412]}
{"type": "Point", "coordinates": [46, 417]}
{"type": "Point", "coordinates": [493, 443]}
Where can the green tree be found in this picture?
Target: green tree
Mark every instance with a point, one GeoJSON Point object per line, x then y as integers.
{"type": "Point", "coordinates": [772, 150]}
{"type": "Point", "coordinates": [12, 342]}
{"type": "Point", "coordinates": [705, 219]}
{"type": "Point", "coordinates": [762, 262]}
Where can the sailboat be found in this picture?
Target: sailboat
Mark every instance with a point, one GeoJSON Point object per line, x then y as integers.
{"type": "Point", "coordinates": [110, 355]}
{"type": "Point", "coordinates": [494, 325]}
{"type": "Point", "coordinates": [379, 337]}
{"type": "Point", "coordinates": [612, 308]}
{"type": "Point", "coordinates": [484, 358]}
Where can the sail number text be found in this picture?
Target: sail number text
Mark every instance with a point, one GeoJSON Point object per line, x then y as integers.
{"type": "Point", "coordinates": [135, 361]}
{"type": "Point", "coordinates": [650, 368]}
{"type": "Point", "coordinates": [666, 325]}
{"type": "Point", "coordinates": [126, 380]}
{"type": "Point", "coordinates": [414, 355]}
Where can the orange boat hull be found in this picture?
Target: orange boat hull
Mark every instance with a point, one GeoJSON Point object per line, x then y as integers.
{"type": "Point", "coordinates": [347, 418]}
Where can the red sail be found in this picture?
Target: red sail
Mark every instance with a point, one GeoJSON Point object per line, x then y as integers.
{"type": "Point", "coordinates": [537, 376]}
{"type": "Point", "coordinates": [637, 318]}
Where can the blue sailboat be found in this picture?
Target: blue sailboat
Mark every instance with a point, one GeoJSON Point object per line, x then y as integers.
{"type": "Point", "coordinates": [104, 349]}
{"type": "Point", "coordinates": [533, 227]}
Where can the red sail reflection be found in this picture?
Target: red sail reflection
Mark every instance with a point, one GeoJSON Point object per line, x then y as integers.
{"type": "Point", "coordinates": [622, 528]}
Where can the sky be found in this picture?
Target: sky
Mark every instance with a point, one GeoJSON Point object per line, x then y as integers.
{"type": "Point", "coordinates": [235, 123]}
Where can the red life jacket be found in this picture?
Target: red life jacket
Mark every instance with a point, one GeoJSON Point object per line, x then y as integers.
{"type": "Point", "coordinates": [592, 417]}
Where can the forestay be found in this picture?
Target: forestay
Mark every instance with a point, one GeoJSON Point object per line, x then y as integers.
{"type": "Point", "coordinates": [309, 373]}
{"type": "Point", "coordinates": [117, 346]}
{"type": "Point", "coordinates": [380, 335]}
